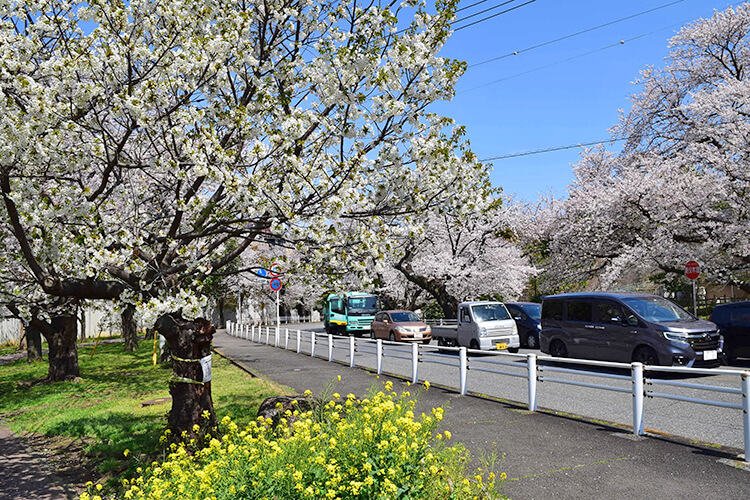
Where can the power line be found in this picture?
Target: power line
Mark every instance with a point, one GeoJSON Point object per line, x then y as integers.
{"type": "Point", "coordinates": [549, 150]}
{"type": "Point", "coordinates": [493, 15]}
{"type": "Point", "coordinates": [617, 44]}
{"type": "Point", "coordinates": [480, 20]}
{"type": "Point", "coordinates": [483, 11]}
{"type": "Point", "coordinates": [516, 52]}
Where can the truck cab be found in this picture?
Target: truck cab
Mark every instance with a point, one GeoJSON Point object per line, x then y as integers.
{"type": "Point", "coordinates": [487, 326]}
{"type": "Point", "coordinates": [350, 313]}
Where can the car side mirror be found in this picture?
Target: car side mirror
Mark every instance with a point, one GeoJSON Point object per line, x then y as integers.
{"type": "Point", "coordinates": [616, 320]}
{"type": "Point", "coordinates": [518, 318]}
{"type": "Point", "coordinates": [632, 321]}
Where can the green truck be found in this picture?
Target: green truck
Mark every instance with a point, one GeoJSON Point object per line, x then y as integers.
{"type": "Point", "coordinates": [350, 313]}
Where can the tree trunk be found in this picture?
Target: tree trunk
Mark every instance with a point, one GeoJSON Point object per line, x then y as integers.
{"type": "Point", "coordinates": [129, 333]}
{"type": "Point", "coordinates": [220, 305]}
{"type": "Point", "coordinates": [33, 343]}
{"type": "Point", "coordinates": [63, 351]}
{"type": "Point", "coordinates": [82, 322]}
{"type": "Point", "coordinates": [190, 386]}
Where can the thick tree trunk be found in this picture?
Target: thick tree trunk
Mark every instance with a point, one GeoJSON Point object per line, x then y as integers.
{"type": "Point", "coordinates": [33, 343]}
{"type": "Point", "coordinates": [435, 287]}
{"type": "Point", "coordinates": [129, 333]}
{"type": "Point", "coordinates": [63, 351]}
{"type": "Point", "coordinates": [190, 386]}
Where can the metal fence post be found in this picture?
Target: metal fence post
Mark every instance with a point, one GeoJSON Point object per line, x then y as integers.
{"type": "Point", "coordinates": [276, 336]}
{"type": "Point", "coordinates": [268, 335]}
{"type": "Point", "coordinates": [379, 344]}
{"type": "Point", "coordinates": [531, 363]}
{"type": "Point", "coordinates": [229, 327]}
{"type": "Point", "coordinates": [746, 412]}
{"type": "Point", "coordinates": [330, 347]}
{"type": "Point", "coordinates": [286, 338]}
{"type": "Point", "coordinates": [252, 333]}
{"type": "Point", "coordinates": [463, 365]}
{"type": "Point", "coordinates": [246, 332]}
{"type": "Point", "coordinates": [637, 380]}
{"type": "Point", "coordinates": [299, 341]}
{"type": "Point", "coordinates": [414, 362]}
{"type": "Point", "coordinates": [351, 352]}
{"type": "Point", "coordinates": [312, 344]}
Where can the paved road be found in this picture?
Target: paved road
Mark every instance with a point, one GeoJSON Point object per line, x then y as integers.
{"type": "Point", "coordinates": [546, 456]}
{"type": "Point", "coordinates": [710, 424]}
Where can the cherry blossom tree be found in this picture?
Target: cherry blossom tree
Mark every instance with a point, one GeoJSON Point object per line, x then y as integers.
{"type": "Point", "coordinates": [145, 145]}
{"type": "Point", "coordinates": [465, 252]}
{"type": "Point", "coordinates": [678, 190]}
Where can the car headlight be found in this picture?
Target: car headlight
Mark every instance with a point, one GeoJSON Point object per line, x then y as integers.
{"type": "Point", "coordinates": [483, 332]}
{"type": "Point", "coordinates": [515, 328]}
{"type": "Point", "coordinates": [675, 336]}
{"type": "Point", "coordinates": [401, 329]}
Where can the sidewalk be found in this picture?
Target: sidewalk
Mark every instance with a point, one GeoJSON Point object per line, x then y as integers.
{"type": "Point", "coordinates": [546, 456]}
{"type": "Point", "coordinates": [22, 475]}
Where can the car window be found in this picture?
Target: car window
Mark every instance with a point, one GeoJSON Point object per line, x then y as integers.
{"type": "Point", "coordinates": [402, 317]}
{"type": "Point", "coordinates": [609, 313]}
{"type": "Point", "coordinates": [658, 309]}
{"type": "Point", "coordinates": [337, 306]}
{"type": "Point", "coordinates": [465, 318]}
{"type": "Point", "coordinates": [490, 312]}
{"type": "Point", "coordinates": [741, 316]}
{"type": "Point", "coordinates": [533, 310]}
{"type": "Point", "coordinates": [579, 310]}
{"type": "Point", "coordinates": [515, 311]}
{"type": "Point", "coordinates": [552, 309]}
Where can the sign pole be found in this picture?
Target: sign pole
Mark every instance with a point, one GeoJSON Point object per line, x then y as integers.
{"type": "Point", "coordinates": [278, 319]}
{"type": "Point", "coordinates": [695, 302]}
{"type": "Point", "coordinates": [692, 271]}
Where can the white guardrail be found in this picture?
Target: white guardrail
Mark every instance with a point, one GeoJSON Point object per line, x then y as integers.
{"type": "Point", "coordinates": [418, 353]}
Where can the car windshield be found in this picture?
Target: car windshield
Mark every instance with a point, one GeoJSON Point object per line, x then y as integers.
{"type": "Point", "coordinates": [363, 304]}
{"type": "Point", "coordinates": [489, 312]}
{"type": "Point", "coordinates": [532, 310]}
{"type": "Point", "coordinates": [404, 317]}
{"type": "Point", "coordinates": [658, 309]}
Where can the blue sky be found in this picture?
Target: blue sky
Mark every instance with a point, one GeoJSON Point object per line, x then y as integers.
{"type": "Point", "coordinates": [563, 103]}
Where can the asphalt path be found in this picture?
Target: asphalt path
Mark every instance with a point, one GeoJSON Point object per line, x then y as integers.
{"type": "Point", "coordinates": [693, 421]}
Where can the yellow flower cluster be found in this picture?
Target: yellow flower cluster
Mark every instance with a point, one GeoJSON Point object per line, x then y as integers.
{"type": "Point", "coordinates": [373, 448]}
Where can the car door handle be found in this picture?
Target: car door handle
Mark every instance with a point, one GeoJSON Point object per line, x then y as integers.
{"type": "Point", "coordinates": [589, 326]}
{"type": "Point", "coordinates": [599, 327]}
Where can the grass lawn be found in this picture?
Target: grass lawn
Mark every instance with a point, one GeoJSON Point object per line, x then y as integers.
{"type": "Point", "coordinates": [87, 425]}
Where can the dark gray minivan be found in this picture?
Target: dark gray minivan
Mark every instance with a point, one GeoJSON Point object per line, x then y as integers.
{"type": "Point", "coordinates": [627, 327]}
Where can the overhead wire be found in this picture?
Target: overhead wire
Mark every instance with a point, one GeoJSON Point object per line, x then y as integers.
{"type": "Point", "coordinates": [549, 150]}
{"type": "Point", "coordinates": [493, 15]}
{"type": "Point", "coordinates": [616, 44]}
{"type": "Point", "coordinates": [588, 30]}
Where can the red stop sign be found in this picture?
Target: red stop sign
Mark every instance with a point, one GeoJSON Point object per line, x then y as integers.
{"type": "Point", "coordinates": [692, 270]}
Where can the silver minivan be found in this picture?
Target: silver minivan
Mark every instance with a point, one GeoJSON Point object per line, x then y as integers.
{"type": "Point", "coordinates": [627, 327]}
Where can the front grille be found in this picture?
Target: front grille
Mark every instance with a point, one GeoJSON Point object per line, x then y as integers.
{"type": "Point", "coordinates": [705, 342]}
{"type": "Point", "coordinates": [496, 332]}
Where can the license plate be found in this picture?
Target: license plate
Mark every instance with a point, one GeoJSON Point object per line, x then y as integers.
{"type": "Point", "coordinates": [709, 355]}
{"type": "Point", "coordinates": [418, 335]}
{"type": "Point", "coordinates": [501, 345]}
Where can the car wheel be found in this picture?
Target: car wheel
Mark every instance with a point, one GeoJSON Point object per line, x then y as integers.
{"type": "Point", "coordinates": [426, 341]}
{"type": "Point", "coordinates": [532, 341]}
{"type": "Point", "coordinates": [392, 337]}
{"type": "Point", "coordinates": [557, 349]}
{"type": "Point", "coordinates": [372, 334]}
{"type": "Point", "coordinates": [327, 327]}
{"type": "Point", "coordinates": [474, 344]}
{"type": "Point", "coordinates": [646, 355]}
{"type": "Point", "coordinates": [442, 342]}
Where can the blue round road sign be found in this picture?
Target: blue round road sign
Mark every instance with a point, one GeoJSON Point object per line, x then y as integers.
{"type": "Point", "coordinates": [275, 284]}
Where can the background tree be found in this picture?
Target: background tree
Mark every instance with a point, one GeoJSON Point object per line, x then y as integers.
{"type": "Point", "coordinates": [678, 190]}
